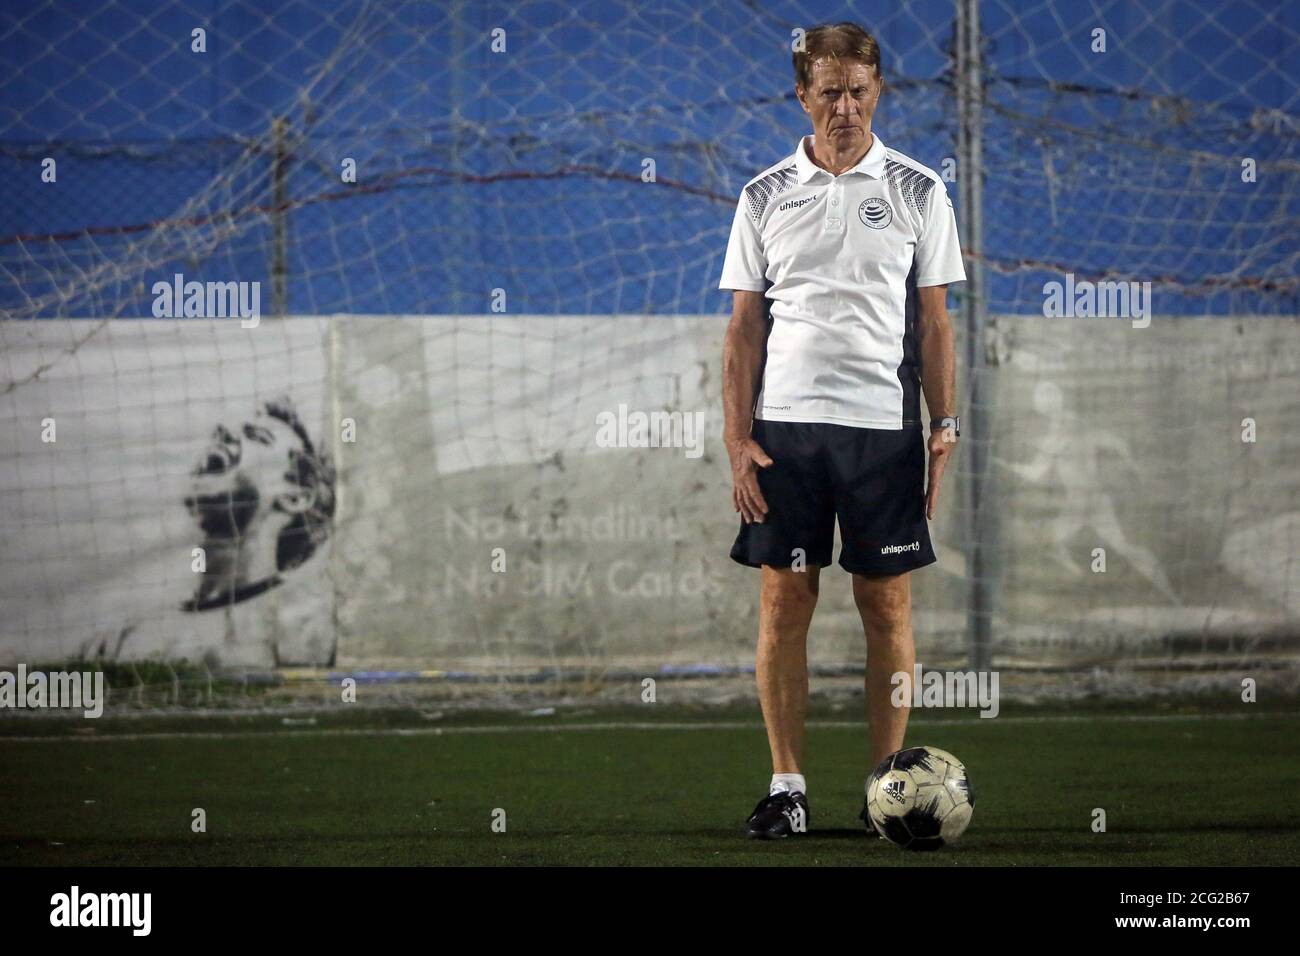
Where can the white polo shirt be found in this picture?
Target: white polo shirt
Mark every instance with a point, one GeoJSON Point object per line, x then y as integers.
{"type": "Point", "coordinates": [838, 257]}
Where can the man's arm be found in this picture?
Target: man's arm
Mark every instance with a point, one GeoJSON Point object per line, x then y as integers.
{"type": "Point", "coordinates": [742, 366]}
{"type": "Point", "coordinates": [938, 381]}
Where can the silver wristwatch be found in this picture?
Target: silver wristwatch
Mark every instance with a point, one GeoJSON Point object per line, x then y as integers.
{"type": "Point", "coordinates": [940, 423]}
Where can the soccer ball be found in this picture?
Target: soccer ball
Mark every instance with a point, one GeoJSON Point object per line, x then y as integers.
{"type": "Point", "coordinates": [920, 798]}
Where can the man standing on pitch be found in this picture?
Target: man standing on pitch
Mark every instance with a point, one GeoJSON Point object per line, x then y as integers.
{"type": "Point", "coordinates": [851, 245]}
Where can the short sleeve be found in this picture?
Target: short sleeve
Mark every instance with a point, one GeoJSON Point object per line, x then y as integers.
{"type": "Point", "coordinates": [938, 251]}
{"type": "Point", "coordinates": [745, 266]}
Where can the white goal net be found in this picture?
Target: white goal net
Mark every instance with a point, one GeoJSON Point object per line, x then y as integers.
{"type": "Point", "coordinates": [330, 329]}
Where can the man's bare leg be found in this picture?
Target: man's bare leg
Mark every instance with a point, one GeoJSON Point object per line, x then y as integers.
{"type": "Point", "coordinates": [786, 602]}
{"type": "Point", "coordinates": [885, 605]}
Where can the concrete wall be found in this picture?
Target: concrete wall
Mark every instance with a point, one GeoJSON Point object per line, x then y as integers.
{"type": "Point", "coordinates": [476, 433]}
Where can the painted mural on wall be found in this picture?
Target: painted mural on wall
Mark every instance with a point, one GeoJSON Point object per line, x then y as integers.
{"type": "Point", "coordinates": [263, 499]}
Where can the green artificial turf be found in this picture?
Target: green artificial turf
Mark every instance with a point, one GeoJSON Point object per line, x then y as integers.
{"type": "Point", "coordinates": [1177, 790]}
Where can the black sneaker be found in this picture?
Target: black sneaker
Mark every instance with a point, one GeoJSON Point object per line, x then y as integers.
{"type": "Point", "coordinates": [779, 815]}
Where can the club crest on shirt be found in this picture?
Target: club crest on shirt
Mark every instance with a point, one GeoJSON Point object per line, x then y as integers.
{"type": "Point", "coordinates": [876, 213]}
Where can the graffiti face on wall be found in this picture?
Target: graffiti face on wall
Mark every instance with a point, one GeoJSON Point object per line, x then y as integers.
{"type": "Point", "coordinates": [262, 496]}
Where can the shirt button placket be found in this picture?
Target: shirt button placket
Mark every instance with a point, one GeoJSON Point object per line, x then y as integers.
{"type": "Point", "coordinates": [835, 212]}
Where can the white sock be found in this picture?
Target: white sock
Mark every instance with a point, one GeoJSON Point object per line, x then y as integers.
{"type": "Point", "coordinates": [787, 782]}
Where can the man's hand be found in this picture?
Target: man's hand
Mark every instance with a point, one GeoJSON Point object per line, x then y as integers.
{"type": "Point", "coordinates": [746, 458]}
{"type": "Point", "coordinates": [943, 442]}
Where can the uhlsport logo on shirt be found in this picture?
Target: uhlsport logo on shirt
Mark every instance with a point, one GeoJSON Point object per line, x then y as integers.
{"type": "Point", "coordinates": [796, 203]}
{"type": "Point", "coordinates": [876, 213]}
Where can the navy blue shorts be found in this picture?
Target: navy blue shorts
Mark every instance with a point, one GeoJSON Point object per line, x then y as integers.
{"type": "Point", "coordinates": [871, 479]}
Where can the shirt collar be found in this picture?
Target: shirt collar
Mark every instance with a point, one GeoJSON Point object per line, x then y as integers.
{"type": "Point", "coordinates": [873, 163]}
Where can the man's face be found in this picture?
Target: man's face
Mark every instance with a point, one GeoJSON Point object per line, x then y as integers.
{"type": "Point", "coordinates": [244, 472]}
{"type": "Point", "coordinates": [840, 100]}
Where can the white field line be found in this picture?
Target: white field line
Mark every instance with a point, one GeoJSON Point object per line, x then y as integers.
{"type": "Point", "coordinates": [628, 725]}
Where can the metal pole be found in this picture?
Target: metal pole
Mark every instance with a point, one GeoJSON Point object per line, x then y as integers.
{"type": "Point", "coordinates": [280, 218]}
{"type": "Point", "coordinates": [970, 93]}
